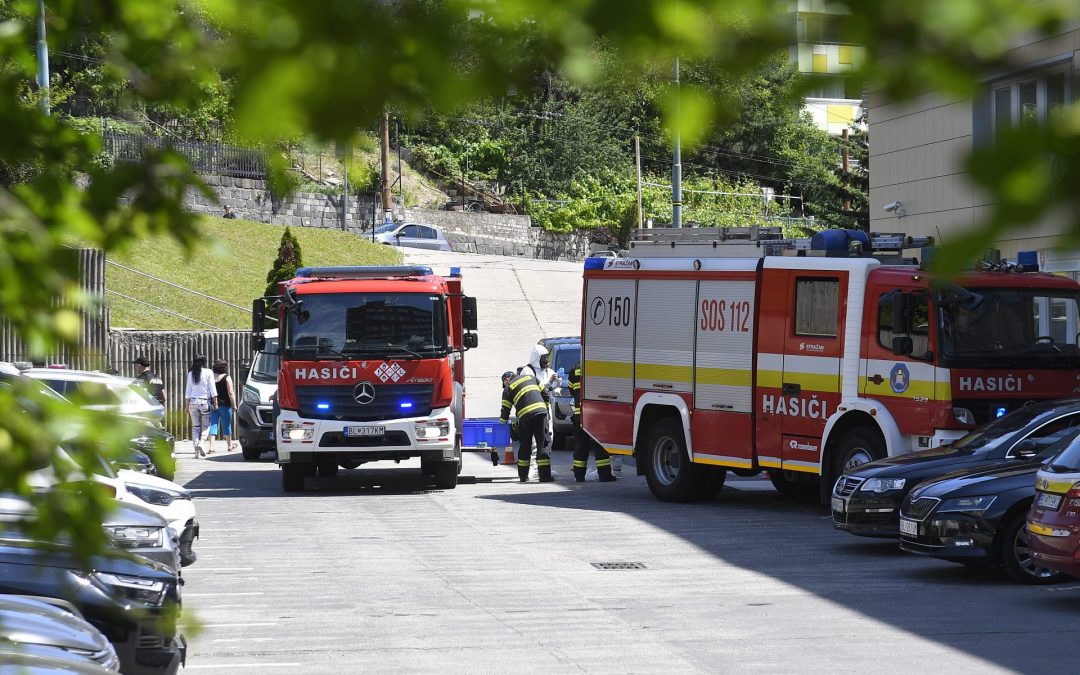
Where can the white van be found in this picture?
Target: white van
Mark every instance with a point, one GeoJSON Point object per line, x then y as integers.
{"type": "Point", "coordinates": [255, 414]}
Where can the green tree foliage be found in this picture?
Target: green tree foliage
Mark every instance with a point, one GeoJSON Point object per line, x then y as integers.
{"type": "Point", "coordinates": [289, 259]}
{"type": "Point", "coordinates": [322, 70]}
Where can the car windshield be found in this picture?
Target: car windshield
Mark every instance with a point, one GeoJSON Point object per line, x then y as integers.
{"type": "Point", "coordinates": [267, 363]}
{"type": "Point", "coordinates": [340, 325]}
{"type": "Point", "coordinates": [566, 358]}
{"type": "Point", "coordinates": [992, 434]}
{"type": "Point", "coordinates": [1068, 454]}
{"type": "Point", "coordinates": [1010, 327]}
{"type": "Point", "coordinates": [382, 229]}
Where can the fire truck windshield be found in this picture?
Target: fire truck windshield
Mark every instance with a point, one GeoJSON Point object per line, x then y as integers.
{"type": "Point", "coordinates": [1010, 327]}
{"type": "Point", "coordinates": [359, 325]}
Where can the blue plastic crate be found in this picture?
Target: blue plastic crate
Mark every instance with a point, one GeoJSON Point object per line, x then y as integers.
{"type": "Point", "coordinates": [485, 432]}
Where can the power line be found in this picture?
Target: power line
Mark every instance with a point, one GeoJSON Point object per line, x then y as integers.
{"type": "Point", "coordinates": [245, 310]}
{"type": "Point", "coordinates": [162, 309]}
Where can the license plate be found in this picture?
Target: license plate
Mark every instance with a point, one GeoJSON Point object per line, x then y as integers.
{"type": "Point", "coordinates": [363, 432]}
{"type": "Point", "coordinates": [910, 527]}
{"type": "Point", "coordinates": [839, 505]}
{"type": "Point", "coordinates": [1049, 500]}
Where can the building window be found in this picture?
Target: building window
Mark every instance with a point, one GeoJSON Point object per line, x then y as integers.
{"type": "Point", "coordinates": [817, 303]}
{"type": "Point", "coordinates": [1029, 100]}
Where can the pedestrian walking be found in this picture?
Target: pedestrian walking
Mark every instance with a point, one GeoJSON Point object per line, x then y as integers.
{"type": "Point", "coordinates": [221, 417]}
{"type": "Point", "coordinates": [583, 441]}
{"type": "Point", "coordinates": [229, 213]}
{"type": "Point", "coordinates": [200, 397]}
{"type": "Point", "coordinates": [524, 393]}
{"type": "Point", "coordinates": [153, 383]}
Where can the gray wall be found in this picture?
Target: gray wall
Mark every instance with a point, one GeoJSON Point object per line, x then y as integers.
{"type": "Point", "coordinates": [501, 234]}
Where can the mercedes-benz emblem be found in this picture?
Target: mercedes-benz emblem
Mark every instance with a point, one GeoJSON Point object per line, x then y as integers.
{"type": "Point", "coordinates": [364, 393]}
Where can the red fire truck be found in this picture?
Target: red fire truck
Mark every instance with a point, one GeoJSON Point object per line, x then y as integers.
{"type": "Point", "coordinates": [372, 368]}
{"type": "Point", "coordinates": [708, 350]}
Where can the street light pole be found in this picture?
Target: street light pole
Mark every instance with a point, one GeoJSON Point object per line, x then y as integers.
{"type": "Point", "coordinates": [43, 59]}
{"type": "Point", "coordinates": [676, 157]}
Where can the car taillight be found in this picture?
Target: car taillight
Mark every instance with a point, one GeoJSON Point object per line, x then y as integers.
{"type": "Point", "coordinates": [1074, 491]}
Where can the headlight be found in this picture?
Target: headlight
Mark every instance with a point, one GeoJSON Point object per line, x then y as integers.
{"type": "Point", "coordinates": [883, 484]}
{"type": "Point", "coordinates": [963, 416]}
{"type": "Point", "coordinates": [975, 506]}
{"type": "Point", "coordinates": [138, 589]}
{"type": "Point", "coordinates": [297, 431]}
{"type": "Point", "coordinates": [135, 537]}
{"type": "Point", "coordinates": [432, 429]}
{"type": "Point", "coordinates": [251, 395]}
{"type": "Point", "coordinates": [156, 496]}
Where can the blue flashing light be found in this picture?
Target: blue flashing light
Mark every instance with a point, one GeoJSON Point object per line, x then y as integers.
{"type": "Point", "coordinates": [595, 263]}
{"type": "Point", "coordinates": [405, 404]}
{"type": "Point", "coordinates": [455, 271]}
{"type": "Point", "coordinates": [1000, 412]}
{"type": "Point", "coordinates": [1029, 260]}
{"type": "Point", "coordinates": [322, 406]}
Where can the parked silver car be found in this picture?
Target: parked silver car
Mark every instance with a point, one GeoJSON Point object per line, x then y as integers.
{"type": "Point", "coordinates": [39, 628]}
{"type": "Point", "coordinates": [113, 393]}
{"type": "Point", "coordinates": [413, 235]}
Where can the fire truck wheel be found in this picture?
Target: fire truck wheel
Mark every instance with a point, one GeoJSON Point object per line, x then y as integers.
{"type": "Point", "coordinates": [668, 471]}
{"type": "Point", "coordinates": [446, 473]}
{"type": "Point", "coordinates": [858, 447]}
{"type": "Point", "coordinates": [327, 469]}
{"type": "Point", "coordinates": [292, 477]}
{"type": "Point", "coordinates": [712, 482]}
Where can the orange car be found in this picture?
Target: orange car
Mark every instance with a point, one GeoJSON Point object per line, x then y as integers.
{"type": "Point", "coordinates": [1054, 519]}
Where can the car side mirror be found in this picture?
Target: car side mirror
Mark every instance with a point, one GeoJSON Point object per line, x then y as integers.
{"type": "Point", "coordinates": [470, 340]}
{"type": "Point", "coordinates": [902, 345]}
{"type": "Point", "coordinates": [1026, 449]}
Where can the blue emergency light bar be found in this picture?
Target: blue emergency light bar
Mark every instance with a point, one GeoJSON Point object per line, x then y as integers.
{"type": "Point", "coordinates": [595, 263]}
{"type": "Point", "coordinates": [364, 271]}
{"type": "Point", "coordinates": [455, 271]}
{"type": "Point", "coordinates": [1029, 260]}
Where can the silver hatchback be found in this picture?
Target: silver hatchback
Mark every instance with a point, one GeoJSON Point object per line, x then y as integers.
{"type": "Point", "coordinates": [412, 235]}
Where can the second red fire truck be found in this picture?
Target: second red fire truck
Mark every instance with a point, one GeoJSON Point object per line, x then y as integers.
{"type": "Point", "coordinates": [710, 350]}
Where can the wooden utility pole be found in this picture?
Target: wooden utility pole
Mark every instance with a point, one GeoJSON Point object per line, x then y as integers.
{"type": "Point", "coordinates": [387, 199]}
{"type": "Point", "coordinates": [637, 164]}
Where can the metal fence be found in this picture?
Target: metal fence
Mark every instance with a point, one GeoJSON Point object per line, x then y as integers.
{"type": "Point", "coordinates": [170, 354]}
{"type": "Point", "coordinates": [93, 330]}
{"type": "Point", "coordinates": [207, 158]}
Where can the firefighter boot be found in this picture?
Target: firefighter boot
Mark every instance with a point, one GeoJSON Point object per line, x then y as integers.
{"type": "Point", "coordinates": [579, 470]}
{"type": "Point", "coordinates": [523, 469]}
{"type": "Point", "coordinates": [543, 467]}
{"type": "Point", "coordinates": [603, 470]}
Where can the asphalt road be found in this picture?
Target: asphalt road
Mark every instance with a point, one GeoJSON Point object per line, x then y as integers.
{"type": "Point", "coordinates": [373, 571]}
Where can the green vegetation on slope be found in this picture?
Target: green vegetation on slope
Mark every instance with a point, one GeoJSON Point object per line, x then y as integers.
{"type": "Point", "coordinates": [231, 266]}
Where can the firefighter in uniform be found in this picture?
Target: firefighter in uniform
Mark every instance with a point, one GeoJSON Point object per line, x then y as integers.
{"type": "Point", "coordinates": [584, 441]}
{"type": "Point", "coordinates": [525, 394]}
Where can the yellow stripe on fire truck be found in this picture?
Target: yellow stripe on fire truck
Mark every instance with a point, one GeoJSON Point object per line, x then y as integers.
{"type": "Point", "coordinates": [905, 379]}
{"type": "Point", "coordinates": [614, 449]}
{"type": "Point", "coordinates": [813, 373]}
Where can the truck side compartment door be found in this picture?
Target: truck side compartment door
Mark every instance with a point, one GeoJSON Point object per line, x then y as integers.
{"type": "Point", "coordinates": [665, 335]}
{"type": "Point", "coordinates": [607, 362]}
{"type": "Point", "coordinates": [813, 347]}
{"type": "Point", "coordinates": [722, 423]}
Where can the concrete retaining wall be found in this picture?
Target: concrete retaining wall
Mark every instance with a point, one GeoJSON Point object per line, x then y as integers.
{"type": "Point", "coordinates": [501, 234]}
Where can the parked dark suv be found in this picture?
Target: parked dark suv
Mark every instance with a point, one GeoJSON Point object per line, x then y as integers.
{"type": "Point", "coordinates": [565, 353]}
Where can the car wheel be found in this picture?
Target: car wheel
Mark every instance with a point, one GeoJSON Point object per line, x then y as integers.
{"type": "Point", "coordinates": [1016, 555]}
{"type": "Point", "coordinates": [668, 470]}
{"type": "Point", "coordinates": [327, 469]}
{"type": "Point", "coordinates": [558, 441]}
{"type": "Point", "coordinates": [446, 475]}
{"type": "Point", "coordinates": [250, 453]}
{"type": "Point", "coordinates": [292, 477]}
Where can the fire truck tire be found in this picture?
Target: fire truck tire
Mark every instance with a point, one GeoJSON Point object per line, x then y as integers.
{"type": "Point", "coordinates": [712, 482]}
{"type": "Point", "coordinates": [858, 446]}
{"type": "Point", "coordinates": [668, 470]}
{"type": "Point", "coordinates": [446, 475]}
{"type": "Point", "coordinates": [292, 477]}
{"type": "Point", "coordinates": [327, 469]}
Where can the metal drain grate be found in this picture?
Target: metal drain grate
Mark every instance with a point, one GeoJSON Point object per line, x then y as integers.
{"type": "Point", "coordinates": [619, 566]}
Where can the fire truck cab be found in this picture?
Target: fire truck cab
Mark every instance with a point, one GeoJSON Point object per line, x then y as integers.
{"type": "Point", "coordinates": [372, 367]}
{"type": "Point", "coordinates": [710, 350]}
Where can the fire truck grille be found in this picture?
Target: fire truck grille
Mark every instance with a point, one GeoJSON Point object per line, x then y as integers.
{"type": "Point", "coordinates": [847, 485]}
{"type": "Point", "coordinates": [918, 509]}
{"type": "Point", "coordinates": [392, 401]}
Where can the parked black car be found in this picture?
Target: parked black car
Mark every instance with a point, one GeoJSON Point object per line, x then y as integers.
{"type": "Point", "coordinates": [979, 517]}
{"type": "Point", "coordinates": [133, 601]}
{"type": "Point", "coordinates": [866, 499]}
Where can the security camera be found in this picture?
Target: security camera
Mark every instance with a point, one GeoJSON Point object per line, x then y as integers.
{"type": "Point", "coordinates": [894, 207]}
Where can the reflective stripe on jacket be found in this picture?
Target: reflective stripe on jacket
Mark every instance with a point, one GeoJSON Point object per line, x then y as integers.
{"type": "Point", "coordinates": [525, 394]}
{"type": "Point", "coordinates": [575, 388]}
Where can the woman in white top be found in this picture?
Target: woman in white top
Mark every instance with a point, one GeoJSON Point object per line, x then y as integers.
{"type": "Point", "coordinates": [200, 397]}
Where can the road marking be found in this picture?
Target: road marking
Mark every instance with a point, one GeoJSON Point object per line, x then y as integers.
{"type": "Point", "coordinates": [213, 666]}
{"type": "Point", "coordinates": [218, 595]}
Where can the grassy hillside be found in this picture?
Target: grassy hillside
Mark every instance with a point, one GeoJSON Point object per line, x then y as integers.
{"type": "Point", "coordinates": [231, 265]}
